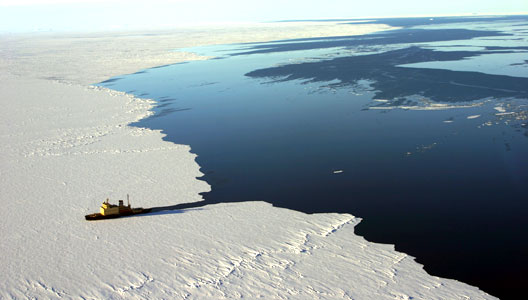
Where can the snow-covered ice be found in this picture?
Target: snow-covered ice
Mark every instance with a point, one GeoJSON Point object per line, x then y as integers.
{"type": "Point", "coordinates": [500, 109]}
{"type": "Point", "coordinates": [66, 147]}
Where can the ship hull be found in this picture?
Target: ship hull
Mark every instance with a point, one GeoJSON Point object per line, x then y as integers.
{"type": "Point", "coordinates": [136, 211]}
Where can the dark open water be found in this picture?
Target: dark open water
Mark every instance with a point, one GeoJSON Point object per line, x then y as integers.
{"type": "Point", "coordinates": [432, 155]}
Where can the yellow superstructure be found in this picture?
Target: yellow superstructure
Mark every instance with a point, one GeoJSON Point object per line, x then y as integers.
{"type": "Point", "coordinates": [111, 209]}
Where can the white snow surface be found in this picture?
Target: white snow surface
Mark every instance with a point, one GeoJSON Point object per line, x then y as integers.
{"type": "Point", "coordinates": [66, 147]}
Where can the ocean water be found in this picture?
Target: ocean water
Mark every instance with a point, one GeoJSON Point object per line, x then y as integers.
{"type": "Point", "coordinates": [421, 131]}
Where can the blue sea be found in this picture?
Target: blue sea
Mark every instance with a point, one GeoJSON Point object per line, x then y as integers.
{"type": "Point", "coordinates": [422, 131]}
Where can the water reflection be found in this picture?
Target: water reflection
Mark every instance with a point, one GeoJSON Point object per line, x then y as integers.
{"type": "Point", "coordinates": [397, 83]}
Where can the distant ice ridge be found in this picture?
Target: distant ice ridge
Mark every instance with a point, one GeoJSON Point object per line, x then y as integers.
{"type": "Point", "coordinates": [434, 106]}
{"type": "Point", "coordinates": [416, 102]}
{"type": "Point", "coordinates": [508, 111]}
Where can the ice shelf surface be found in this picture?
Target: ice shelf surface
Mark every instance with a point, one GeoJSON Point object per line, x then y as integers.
{"type": "Point", "coordinates": [66, 147]}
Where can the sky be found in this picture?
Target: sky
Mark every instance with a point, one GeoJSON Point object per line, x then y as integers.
{"type": "Point", "coordinates": [95, 15]}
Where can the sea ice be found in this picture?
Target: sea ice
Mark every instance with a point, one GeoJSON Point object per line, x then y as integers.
{"type": "Point", "coordinates": [66, 147]}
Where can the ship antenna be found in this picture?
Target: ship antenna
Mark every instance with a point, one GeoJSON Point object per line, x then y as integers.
{"type": "Point", "coordinates": [128, 200]}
